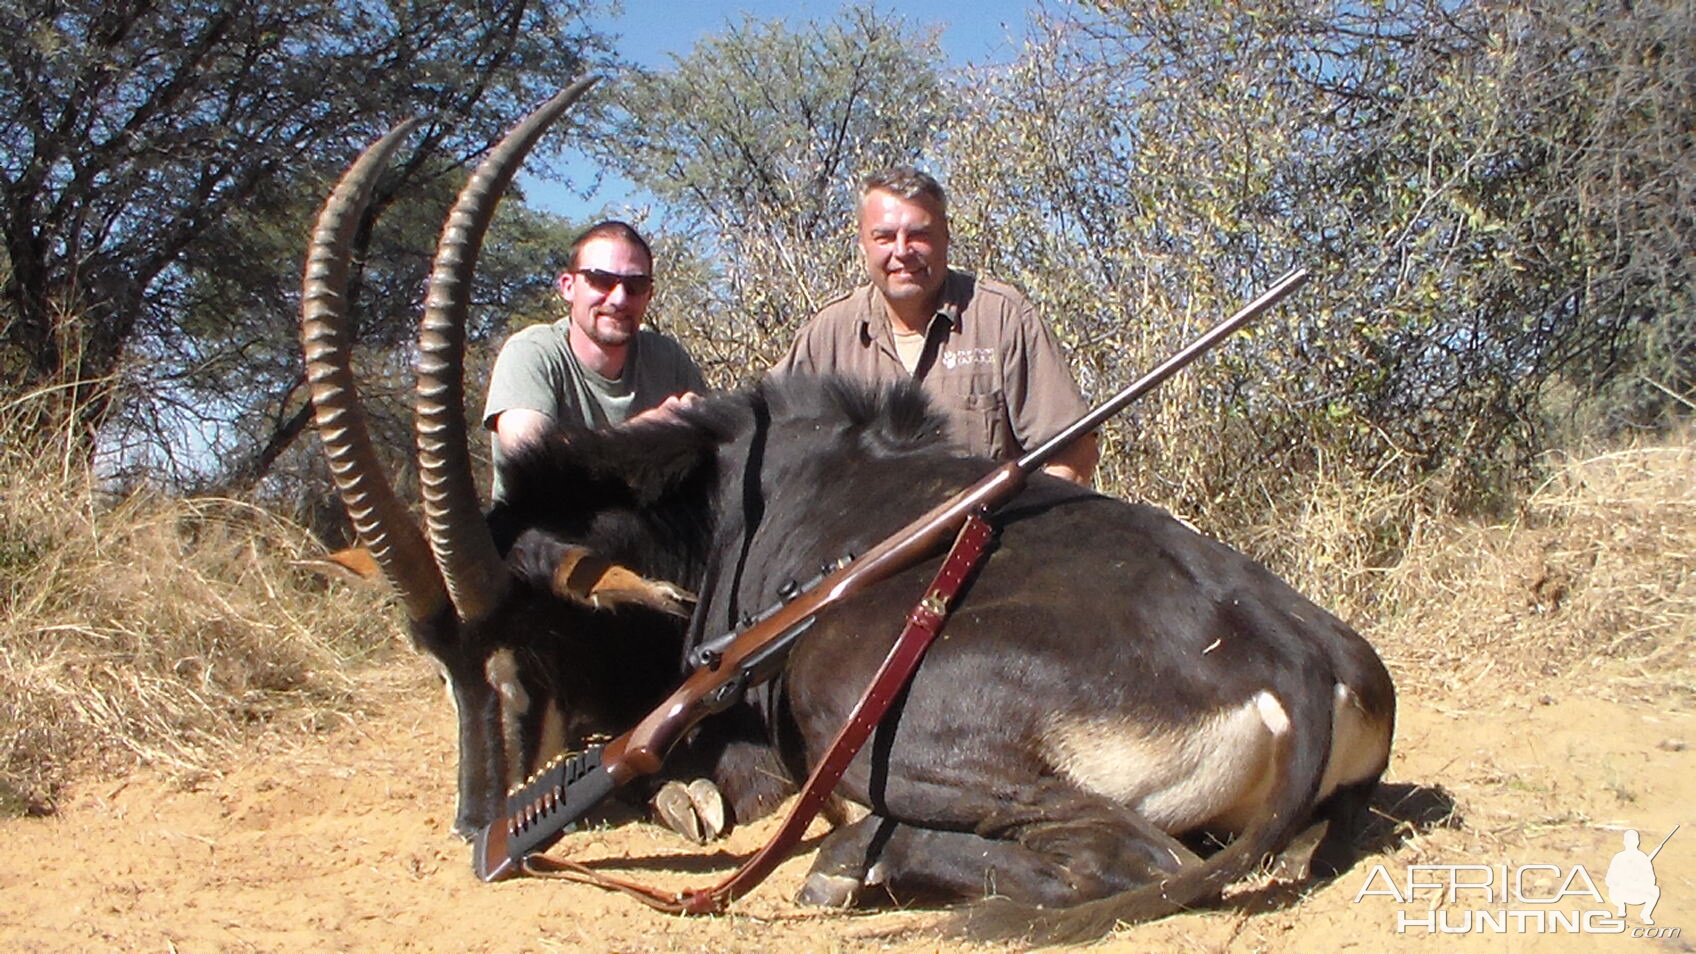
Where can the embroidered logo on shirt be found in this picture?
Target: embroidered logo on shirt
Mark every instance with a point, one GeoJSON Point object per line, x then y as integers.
{"type": "Point", "coordinates": [965, 356]}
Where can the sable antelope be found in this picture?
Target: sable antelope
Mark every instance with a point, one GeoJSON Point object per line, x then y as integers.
{"type": "Point", "coordinates": [1112, 683]}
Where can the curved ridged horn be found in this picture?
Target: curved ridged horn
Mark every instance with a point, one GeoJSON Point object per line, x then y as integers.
{"type": "Point", "coordinates": [383, 524]}
{"type": "Point", "coordinates": [476, 578]}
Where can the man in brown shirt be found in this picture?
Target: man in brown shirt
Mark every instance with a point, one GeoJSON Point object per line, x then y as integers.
{"type": "Point", "coordinates": [975, 346]}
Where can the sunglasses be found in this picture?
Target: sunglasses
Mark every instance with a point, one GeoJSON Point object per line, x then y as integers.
{"type": "Point", "coordinates": [605, 282]}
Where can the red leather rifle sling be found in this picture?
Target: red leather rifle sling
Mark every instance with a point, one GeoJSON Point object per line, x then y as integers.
{"type": "Point", "coordinates": [923, 624]}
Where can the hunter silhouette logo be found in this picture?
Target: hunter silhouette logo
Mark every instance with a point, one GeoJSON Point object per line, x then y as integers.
{"type": "Point", "coordinates": [1631, 876]}
{"type": "Point", "coordinates": [1527, 898]}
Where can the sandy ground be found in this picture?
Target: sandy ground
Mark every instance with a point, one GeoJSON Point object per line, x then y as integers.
{"type": "Point", "coordinates": [339, 843]}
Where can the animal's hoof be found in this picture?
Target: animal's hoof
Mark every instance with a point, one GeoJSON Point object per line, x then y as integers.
{"type": "Point", "coordinates": [877, 874]}
{"type": "Point", "coordinates": [674, 809]}
{"type": "Point", "coordinates": [1294, 864]}
{"type": "Point", "coordinates": [709, 807]}
{"type": "Point", "coordinates": [695, 811]}
{"type": "Point", "coordinates": [828, 890]}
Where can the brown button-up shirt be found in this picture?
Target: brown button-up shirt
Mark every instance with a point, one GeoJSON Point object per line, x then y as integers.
{"type": "Point", "coordinates": [990, 364]}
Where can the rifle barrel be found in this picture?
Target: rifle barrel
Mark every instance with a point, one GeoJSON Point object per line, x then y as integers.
{"type": "Point", "coordinates": [1664, 841]}
{"type": "Point", "coordinates": [1148, 382]}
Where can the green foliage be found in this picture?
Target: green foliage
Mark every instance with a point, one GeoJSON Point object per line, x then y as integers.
{"type": "Point", "coordinates": [1494, 200]}
{"type": "Point", "coordinates": [754, 141]}
{"type": "Point", "coordinates": [159, 163]}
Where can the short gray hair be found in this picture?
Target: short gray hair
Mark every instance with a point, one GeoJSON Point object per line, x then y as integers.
{"type": "Point", "coordinates": [905, 182]}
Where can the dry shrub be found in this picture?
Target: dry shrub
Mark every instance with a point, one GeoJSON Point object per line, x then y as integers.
{"type": "Point", "coordinates": [1334, 539]}
{"type": "Point", "coordinates": [149, 629]}
{"type": "Point", "coordinates": [1597, 573]}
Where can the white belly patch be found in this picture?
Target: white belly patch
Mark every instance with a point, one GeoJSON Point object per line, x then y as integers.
{"type": "Point", "coordinates": [1212, 772]}
{"type": "Point", "coordinates": [1216, 771]}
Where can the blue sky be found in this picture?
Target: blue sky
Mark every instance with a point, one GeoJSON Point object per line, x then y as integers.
{"type": "Point", "coordinates": [978, 32]}
{"type": "Point", "coordinates": [973, 32]}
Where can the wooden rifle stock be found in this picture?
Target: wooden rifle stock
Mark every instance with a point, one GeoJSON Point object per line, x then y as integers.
{"type": "Point", "coordinates": [541, 810]}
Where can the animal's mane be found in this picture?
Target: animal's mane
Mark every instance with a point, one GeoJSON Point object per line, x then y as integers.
{"type": "Point", "coordinates": [886, 420]}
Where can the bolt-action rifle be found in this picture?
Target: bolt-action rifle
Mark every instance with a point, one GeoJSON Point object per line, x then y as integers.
{"type": "Point", "coordinates": [541, 810]}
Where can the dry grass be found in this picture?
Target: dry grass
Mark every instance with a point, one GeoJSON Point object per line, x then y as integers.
{"type": "Point", "coordinates": [1597, 573]}
{"type": "Point", "coordinates": [153, 630]}
{"type": "Point", "coordinates": [169, 631]}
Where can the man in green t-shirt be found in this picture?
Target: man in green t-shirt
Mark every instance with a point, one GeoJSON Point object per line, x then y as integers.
{"type": "Point", "coordinates": [597, 366]}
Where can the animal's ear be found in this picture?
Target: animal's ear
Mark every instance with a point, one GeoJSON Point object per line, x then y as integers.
{"type": "Point", "coordinates": [586, 577]}
{"type": "Point", "coordinates": [352, 563]}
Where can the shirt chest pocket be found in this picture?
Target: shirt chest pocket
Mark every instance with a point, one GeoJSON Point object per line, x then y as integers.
{"type": "Point", "coordinates": [977, 419]}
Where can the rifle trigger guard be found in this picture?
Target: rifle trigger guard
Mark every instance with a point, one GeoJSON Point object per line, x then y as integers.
{"type": "Point", "coordinates": [726, 694]}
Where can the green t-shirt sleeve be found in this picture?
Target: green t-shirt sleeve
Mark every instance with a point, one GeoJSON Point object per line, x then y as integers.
{"type": "Point", "coordinates": [529, 374]}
